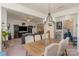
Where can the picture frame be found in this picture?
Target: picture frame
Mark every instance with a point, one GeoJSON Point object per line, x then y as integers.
{"type": "Point", "coordinates": [59, 25]}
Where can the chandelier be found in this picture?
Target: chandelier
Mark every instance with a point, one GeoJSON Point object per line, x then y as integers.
{"type": "Point", "coordinates": [49, 18]}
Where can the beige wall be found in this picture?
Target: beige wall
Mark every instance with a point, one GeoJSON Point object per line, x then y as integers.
{"type": "Point", "coordinates": [68, 24]}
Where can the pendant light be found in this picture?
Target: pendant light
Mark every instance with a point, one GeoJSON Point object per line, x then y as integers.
{"type": "Point", "coordinates": [49, 18]}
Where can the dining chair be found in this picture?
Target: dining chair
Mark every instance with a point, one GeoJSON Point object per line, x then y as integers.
{"type": "Point", "coordinates": [29, 39]}
{"type": "Point", "coordinates": [45, 36]}
{"type": "Point", "coordinates": [37, 37]}
{"type": "Point", "coordinates": [51, 50]}
{"type": "Point", "coordinates": [62, 47]}
{"type": "Point", "coordinates": [67, 42]}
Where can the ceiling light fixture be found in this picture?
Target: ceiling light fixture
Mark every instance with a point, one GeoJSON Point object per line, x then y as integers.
{"type": "Point", "coordinates": [28, 20]}
{"type": "Point", "coordinates": [49, 18]}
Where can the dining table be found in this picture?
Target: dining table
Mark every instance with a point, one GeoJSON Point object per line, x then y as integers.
{"type": "Point", "coordinates": [37, 48]}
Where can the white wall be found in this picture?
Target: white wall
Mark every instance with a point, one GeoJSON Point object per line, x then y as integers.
{"type": "Point", "coordinates": [74, 16]}
{"type": "Point", "coordinates": [59, 19]}
{"type": "Point", "coordinates": [13, 22]}
{"type": "Point", "coordinates": [4, 19]}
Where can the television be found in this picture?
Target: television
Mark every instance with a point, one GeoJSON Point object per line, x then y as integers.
{"type": "Point", "coordinates": [22, 28]}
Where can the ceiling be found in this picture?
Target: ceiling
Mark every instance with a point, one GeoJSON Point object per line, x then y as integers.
{"type": "Point", "coordinates": [21, 16]}
{"type": "Point", "coordinates": [40, 7]}
{"type": "Point", "coordinates": [55, 7]}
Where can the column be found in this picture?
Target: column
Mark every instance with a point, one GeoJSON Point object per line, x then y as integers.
{"type": "Point", "coordinates": [4, 20]}
{"type": "Point", "coordinates": [3, 23]}
{"type": "Point", "coordinates": [78, 32]}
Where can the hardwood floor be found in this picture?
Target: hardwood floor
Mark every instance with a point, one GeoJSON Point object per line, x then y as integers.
{"type": "Point", "coordinates": [37, 48]}
{"type": "Point", "coordinates": [16, 49]}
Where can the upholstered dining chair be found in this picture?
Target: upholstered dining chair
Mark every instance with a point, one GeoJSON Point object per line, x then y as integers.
{"type": "Point", "coordinates": [29, 39]}
{"type": "Point", "coordinates": [62, 47]}
{"type": "Point", "coordinates": [37, 37]}
{"type": "Point", "coordinates": [67, 42]}
{"type": "Point", "coordinates": [45, 36]}
{"type": "Point", "coordinates": [51, 50]}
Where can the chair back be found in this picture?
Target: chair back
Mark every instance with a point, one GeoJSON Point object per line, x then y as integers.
{"type": "Point", "coordinates": [62, 46]}
{"type": "Point", "coordinates": [67, 41]}
{"type": "Point", "coordinates": [45, 36]}
{"type": "Point", "coordinates": [37, 37]}
{"type": "Point", "coordinates": [51, 50]}
{"type": "Point", "coordinates": [29, 39]}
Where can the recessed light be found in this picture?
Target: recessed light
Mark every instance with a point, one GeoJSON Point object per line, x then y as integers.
{"type": "Point", "coordinates": [28, 20]}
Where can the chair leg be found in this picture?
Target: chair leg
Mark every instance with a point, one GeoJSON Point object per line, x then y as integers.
{"type": "Point", "coordinates": [34, 38]}
{"type": "Point", "coordinates": [26, 53]}
{"type": "Point", "coordinates": [66, 52]}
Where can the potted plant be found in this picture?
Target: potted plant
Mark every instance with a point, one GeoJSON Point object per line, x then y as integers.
{"type": "Point", "coordinates": [5, 34]}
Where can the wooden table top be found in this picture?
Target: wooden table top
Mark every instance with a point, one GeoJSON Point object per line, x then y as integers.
{"type": "Point", "coordinates": [37, 48]}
